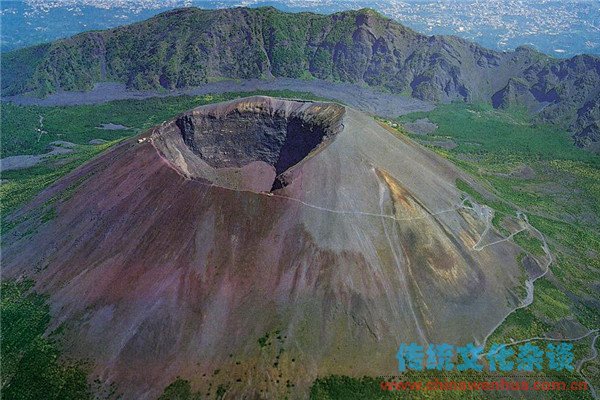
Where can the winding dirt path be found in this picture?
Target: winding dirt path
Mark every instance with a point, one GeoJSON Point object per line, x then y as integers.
{"type": "Point", "coordinates": [590, 358]}
{"type": "Point", "coordinates": [530, 283]}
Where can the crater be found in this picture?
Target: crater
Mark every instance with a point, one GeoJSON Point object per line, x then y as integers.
{"type": "Point", "coordinates": [251, 143]}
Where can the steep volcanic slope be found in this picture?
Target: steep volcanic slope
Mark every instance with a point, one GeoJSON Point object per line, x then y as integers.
{"type": "Point", "coordinates": [172, 254]}
{"type": "Point", "coordinates": [189, 47]}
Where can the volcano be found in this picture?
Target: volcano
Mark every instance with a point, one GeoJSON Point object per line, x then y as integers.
{"type": "Point", "coordinates": [254, 245]}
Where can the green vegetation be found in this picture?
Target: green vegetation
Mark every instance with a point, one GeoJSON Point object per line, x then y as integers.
{"type": "Point", "coordinates": [549, 306]}
{"type": "Point", "coordinates": [180, 389]}
{"type": "Point", "coordinates": [465, 187]}
{"type": "Point", "coordinates": [342, 387]}
{"type": "Point", "coordinates": [498, 205]}
{"type": "Point", "coordinates": [270, 338]}
{"type": "Point", "coordinates": [221, 390]}
{"type": "Point", "coordinates": [550, 302]}
{"type": "Point", "coordinates": [575, 250]}
{"type": "Point", "coordinates": [31, 364]}
{"type": "Point", "coordinates": [529, 243]}
{"type": "Point", "coordinates": [173, 50]}
{"type": "Point", "coordinates": [29, 59]}
{"type": "Point", "coordinates": [497, 223]}
{"type": "Point", "coordinates": [22, 185]}
{"type": "Point", "coordinates": [262, 341]}
{"type": "Point", "coordinates": [49, 215]}
{"type": "Point", "coordinates": [501, 136]}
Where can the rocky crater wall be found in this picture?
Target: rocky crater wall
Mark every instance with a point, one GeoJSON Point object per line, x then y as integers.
{"type": "Point", "coordinates": [248, 144]}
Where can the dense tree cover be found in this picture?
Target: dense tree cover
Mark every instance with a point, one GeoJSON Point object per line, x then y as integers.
{"type": "Point", "coordinates": [32, 366]}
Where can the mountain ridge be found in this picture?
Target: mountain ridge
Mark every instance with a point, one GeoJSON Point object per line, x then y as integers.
{"type": "Point", "coordinates": [188, 47]}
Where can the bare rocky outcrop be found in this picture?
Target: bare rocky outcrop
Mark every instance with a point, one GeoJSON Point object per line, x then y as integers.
{"type": "Point", "coordinates": [247, 144]}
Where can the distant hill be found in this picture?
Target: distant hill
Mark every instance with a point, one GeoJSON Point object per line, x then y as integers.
{"type": "Point", "coordinates": [188, 47]}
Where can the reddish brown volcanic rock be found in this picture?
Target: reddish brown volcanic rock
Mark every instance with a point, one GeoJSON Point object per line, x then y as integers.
{"type": "Point", "coordinates": [167, 258]}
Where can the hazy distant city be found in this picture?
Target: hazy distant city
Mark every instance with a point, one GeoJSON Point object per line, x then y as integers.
{"type": "Point", "coordinates": [559, 28]}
